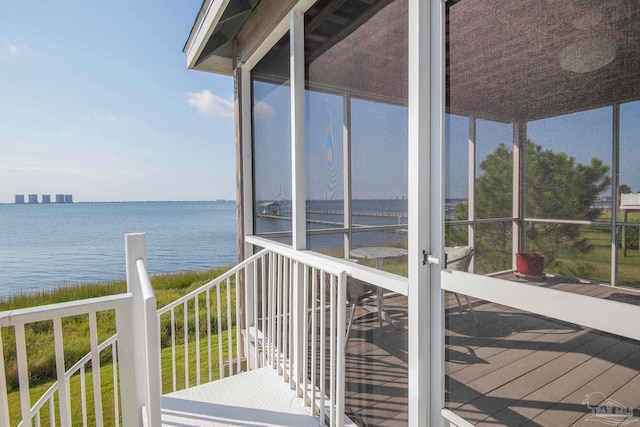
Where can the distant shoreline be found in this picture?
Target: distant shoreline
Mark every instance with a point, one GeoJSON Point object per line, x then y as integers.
{"type": "Point", "coordinates": [125, 201]}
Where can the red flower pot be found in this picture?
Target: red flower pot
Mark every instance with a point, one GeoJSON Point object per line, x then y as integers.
{"type": "Point", "coordinates": [530, 265]}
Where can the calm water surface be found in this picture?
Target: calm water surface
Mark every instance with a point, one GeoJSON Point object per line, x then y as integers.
{"type": "Point", "coordinates": [43, 246]}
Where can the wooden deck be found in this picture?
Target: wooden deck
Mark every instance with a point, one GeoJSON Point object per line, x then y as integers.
{"type": "Point", "coordinates": [512, 369]}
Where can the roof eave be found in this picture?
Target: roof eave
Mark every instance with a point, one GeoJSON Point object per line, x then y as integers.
{"type": "Point", "coordinates": [208, 17]}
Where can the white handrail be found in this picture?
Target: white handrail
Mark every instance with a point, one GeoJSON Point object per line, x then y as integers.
{"type": "Point", "coordinates": [152, 347]}
{"type": "Point", "coordinates": [382, 279]}
{"type": "Point", "coordinates": [65, 309]}
{"type": "Point", "coordinates": [212, 283]}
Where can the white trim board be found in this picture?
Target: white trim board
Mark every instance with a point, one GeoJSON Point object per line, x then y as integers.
{"type": "Point", "coordinates": [605, 315]}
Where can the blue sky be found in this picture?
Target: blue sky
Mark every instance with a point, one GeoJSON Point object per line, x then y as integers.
{"type": "Point", "coordinates": [96, 101]}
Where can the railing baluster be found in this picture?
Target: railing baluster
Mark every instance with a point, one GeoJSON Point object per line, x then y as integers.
{"type": "Point", "coordinates": [219, 319]}
{"type": "Point", "coordinates": [341, 344]}
{"type": "Point", "coordinates": [83, 397]}
{"type": "Point", "coordinates": [23, 375]}
{"type": "Point", "coordinates": [238, 339]}
{"type": "Point", "coordinates": [323, 339]}
{"type": "Point", "coordinates": [229, 332]}
{"type": "Point", "coordinates": [52, 412]}
{"type": "Point", "coordinates": [208, 301]}
{"type": "Point", "coordinates": [272, 303]}
{"type": "Point", "coordinates": [64, 404]}
{"type": "Point", "coordinates": [37, 419]}
{"type": "Point", "coordinates": [197, 331]}
{"type": "Point", "coordinates": [116, 401]}
{"type": "Point", "coordinates": [292, 382]}
{"type": "Point", "coordinates": [68, 381]}
{"type": "Point", "coordinates": [4, 402]}
{"type": "Point", "coordinates": [305, 328]}
{"type": "Point", "coordinates": [185, 328]}
{"type": "Point", "coordinates": [285, 323]}
{"type": "Point", "coordinates": [332, 350]}
{"type": "Point", "coordinates": [255, 316]}
{"type": "Point", "coordinates": [263, 299]}
{"type": "Point", "coordinates": [314, 336]}
{"type": "Point", "coordinates": [95, 368]}
{"type": "Point", "coordinates": [173, 348]}
{"type": "Point", "coordinates": [277, 319]}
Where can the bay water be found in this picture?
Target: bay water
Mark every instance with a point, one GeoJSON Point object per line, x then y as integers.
{"type": "Point", "coordinates": [46, 245]}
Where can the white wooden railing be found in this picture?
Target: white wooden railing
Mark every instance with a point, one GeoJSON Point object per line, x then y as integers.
{"type": "Point", "coordinates": [293, 321]}
{"type": "Point", "coordinates": [18, 319]}
{"type": "Point", "coordinates": [135, 356]}
{"type": "Point", "coordinates": [281, 295]}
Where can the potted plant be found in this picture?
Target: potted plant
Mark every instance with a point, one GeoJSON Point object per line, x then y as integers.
{"type": "Point", "coordinates": [530, 265]}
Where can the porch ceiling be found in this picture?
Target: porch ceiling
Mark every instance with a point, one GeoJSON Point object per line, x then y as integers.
{"type": "Point", "coordinates": [503, 58]}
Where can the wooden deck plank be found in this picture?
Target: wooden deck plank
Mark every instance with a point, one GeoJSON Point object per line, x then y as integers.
{"type": "Point", "coordinates": [483, 393]}
{"type": "Point", "coordinates": [570, 409]}
{"type": "Point", "coordinates": [628, 395]}
{"type": "Point", "coordinates": [513, 393]}
{"type": "Point", "coordinates": [521, 354]}
{"type": "Point", "coordinates": [562, 386]}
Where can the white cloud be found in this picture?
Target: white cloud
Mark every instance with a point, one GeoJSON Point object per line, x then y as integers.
{"type": "Point", "coordinates": [264, 111]}
{"type": "Point", "coordinates": [209, 104]}
{"type": "Point", "coordinates": [212, 105]}
{"type": "Point", "coordinates": [104, 116]}
{"type": "Point", "coordinates": [9, 48]}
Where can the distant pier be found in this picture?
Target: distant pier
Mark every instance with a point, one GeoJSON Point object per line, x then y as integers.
{"type": "Point", "coordinates": [312, 221]}
{"type": "Point", "coordinates": [379, 214]}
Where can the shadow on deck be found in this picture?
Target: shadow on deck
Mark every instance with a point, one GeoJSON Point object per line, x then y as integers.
{"type": "Point", "coordinates": [512, 368]}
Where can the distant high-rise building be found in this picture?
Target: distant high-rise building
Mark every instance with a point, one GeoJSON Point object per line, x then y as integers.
{"type": "Point", "coordinates": [33, 199]}
{"type": "Point", "coordinates": [46, 198]}
{"type": "Point", "coordinates": [68, 198]}
{"type": "Point", "coordinates": [19, 199]}
{"type": "Point", "coordinates": [59, 198]}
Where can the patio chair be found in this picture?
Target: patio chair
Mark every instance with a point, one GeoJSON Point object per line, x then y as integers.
{"type": "Point", "coordinates": [459, 258]}
{"type": "Point", "coordinates": [357, 293]}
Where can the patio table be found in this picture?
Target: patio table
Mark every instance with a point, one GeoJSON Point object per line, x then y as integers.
{"type": "Point", "coordinates": [379, 253]}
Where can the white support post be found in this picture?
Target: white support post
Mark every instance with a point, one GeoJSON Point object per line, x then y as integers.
{"type": "Point", "coordinates": [246, 116]}
{"type": "Point", "coordinates": [615, 194]}
{"type": "Point", "coordinates": [298, 181]}
{"type": "Point", "coordinates": [426, 223]}
{"type": "Point", "coordinates": [519, 189]}
{"type": "Point", "coordinates": [131, 415]}
{"type": "Point", "coordinates": [245, 140]}
{"type": "Point", "coordinates": [346, 150]}
{"type": "Point", "coordinates": [135, 249]}
{"type": "Point", "coordinates": [435, 196]}
{"type": "Point", "coordinates": [299, 238]}
{"type": "Point", "coordinates": [471, 191]}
